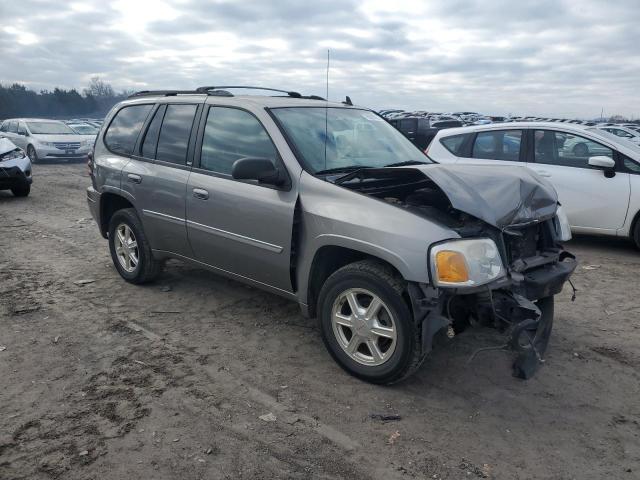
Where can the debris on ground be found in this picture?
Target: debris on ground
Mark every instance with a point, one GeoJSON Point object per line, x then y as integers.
{"type": "Point", "coordinates": [590, 267]}
{"type": "Point", "coordinates": [56, 338]}
{"type": "Point", "coordinates": [166, 288]}
{"type": "Point", "coordinates": [385, 417]}
{"type": "Point", "coordinates": [84, 453]}
{"type": "Point", "coordinates": [20, 310]}
{"type": "Point", "coordinates": [268, 417]}
{"type": "Point", "coordinates": [393, 437]}
{"type": "Point", "coordinates": [84, 281]}
{"type": "Point", "coordinates": [2, 348]}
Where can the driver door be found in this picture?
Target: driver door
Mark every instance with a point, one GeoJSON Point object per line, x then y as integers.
{"type": "Point", "coordinates": [239, 226]}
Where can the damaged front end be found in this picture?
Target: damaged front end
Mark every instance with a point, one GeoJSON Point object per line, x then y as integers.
{"type": "Point", "coordinates": [507, 263]}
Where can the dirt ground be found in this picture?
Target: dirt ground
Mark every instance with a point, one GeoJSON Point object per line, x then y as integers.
{"type": "Point", "coordinates": [102, 379]}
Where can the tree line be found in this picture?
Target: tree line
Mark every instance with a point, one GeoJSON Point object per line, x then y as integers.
{"type": "Point", "coordinates": [18, 101]}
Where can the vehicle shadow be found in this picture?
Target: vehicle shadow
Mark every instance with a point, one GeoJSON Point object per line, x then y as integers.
{"type": "Point", "coordinates": [596, 242]}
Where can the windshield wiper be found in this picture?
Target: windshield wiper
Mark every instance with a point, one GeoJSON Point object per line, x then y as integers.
{"type": "Point", "coordinates": [407, 162]}
{"type": "Point", "coordinates": [350, 168]}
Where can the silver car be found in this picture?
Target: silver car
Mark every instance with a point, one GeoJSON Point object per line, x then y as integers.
{"type": "Point", "coordinates": [15, 169]}
{"type": "Point", "coordinates": [330, 206]}
{"type": "Point", "coordinates": [44, 139]}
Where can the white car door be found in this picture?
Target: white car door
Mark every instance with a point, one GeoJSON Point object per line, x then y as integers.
{"type": "Point", "coordinates": [493, 147]}
{"type": "Point", "coordinates": [594, 199]}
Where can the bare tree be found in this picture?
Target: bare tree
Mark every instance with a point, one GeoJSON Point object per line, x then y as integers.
{"type": "Point", "coordinates": [99, 89]}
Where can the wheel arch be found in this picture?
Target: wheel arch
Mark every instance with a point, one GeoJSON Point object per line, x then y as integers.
{"type": "Point", "coordinates": [633, 226]}
{"type": "Point", "coordinates": [110, 203]}
{"type": "Point", "coordinates": [328, 259]}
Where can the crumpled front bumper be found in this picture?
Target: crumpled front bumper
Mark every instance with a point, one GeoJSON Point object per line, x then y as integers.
{"type": "Point", "coordinates": [519, 304]}
{"type": "Point", "coordinates": [15, 173]}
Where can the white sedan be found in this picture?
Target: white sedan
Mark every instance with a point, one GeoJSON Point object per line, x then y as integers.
{"type": "Point", "coordinates": [596, 173]}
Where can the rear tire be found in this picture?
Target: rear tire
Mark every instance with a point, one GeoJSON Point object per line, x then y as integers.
{"type": "Point", "coordinates": [130, 249]}
{"type": "Point", "coordinates": [22, 190]}
{"type": "Point", "coordinates": [382, 358]}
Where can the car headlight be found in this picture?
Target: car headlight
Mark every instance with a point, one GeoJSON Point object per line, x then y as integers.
{"type": "Point", "coordinates": [46, 144]}
{"type": "Point", "coordinates": [86, 143]}
{"type": "Point", "coordinates": [12, 155]}
{"type": "Point", "coordinates": [563, 229]}
{"type": "Point", "coordinates": [465, 263]}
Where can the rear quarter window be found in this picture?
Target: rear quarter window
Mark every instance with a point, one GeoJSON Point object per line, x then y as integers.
{"type": "Point", "coordinates": [454, 142]}
{"type": "Point", "coordinates": [122, 134]}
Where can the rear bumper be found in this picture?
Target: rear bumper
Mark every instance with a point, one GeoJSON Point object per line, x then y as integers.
{"type": "Point", "coordinates": [93, 200]}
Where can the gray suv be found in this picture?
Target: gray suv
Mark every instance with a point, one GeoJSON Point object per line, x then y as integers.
{"type": "Point", "coordinates": [330, 206]}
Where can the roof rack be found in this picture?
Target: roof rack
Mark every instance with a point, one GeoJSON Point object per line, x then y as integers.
{"type": "Point", "coordinates": [164, 93]}
{"type": "Point", "coordinates": [219, 91]}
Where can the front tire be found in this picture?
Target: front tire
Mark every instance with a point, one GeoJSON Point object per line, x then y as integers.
{"type": "Point", "coordinates": [22, 190]}
{"type": "Point", "coordinates": [130, 250]}
{"type": "Point", "coordinates": [32, 154]}
{"type": "Point", "coordinates": [367, 325]}
{"type": "Point", "coordinates": [636, 234]}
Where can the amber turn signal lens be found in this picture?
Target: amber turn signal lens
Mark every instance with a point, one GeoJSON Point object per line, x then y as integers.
{"type": "Point", "coordinates": [451, 267]}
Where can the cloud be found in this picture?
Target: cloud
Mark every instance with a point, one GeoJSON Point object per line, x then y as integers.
{"type": "Point", "coordinates": [541, 58]}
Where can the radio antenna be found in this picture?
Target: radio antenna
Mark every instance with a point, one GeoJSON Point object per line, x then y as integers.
{"type": "Point", "coordinates": [326, 114]}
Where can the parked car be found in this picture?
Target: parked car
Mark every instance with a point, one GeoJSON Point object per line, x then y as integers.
{"type": "Point", "coordinates": [596, 174]}
{"type": "Point", "coordinates": [623, 132]}
{"type": "Point", "coordinates": [421, 130]}
{"type": "Point", "coordinates": [330, 206]}
{"type": "Point", "coordinates": [15, 169]}
{"type": "Point", "coordinates": [46, 139]}
{"type": "Point", "coordinates": [85, 129]}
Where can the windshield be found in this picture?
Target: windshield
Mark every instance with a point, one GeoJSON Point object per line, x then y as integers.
{"type": "Point", "coordinates": [84, 129]}
{"type": "Point", "coordinates": [353, 138]}
{"type": "Point", "coordinates": [615, 139]}
{"type": "Point", "coordinates": [49, 128]}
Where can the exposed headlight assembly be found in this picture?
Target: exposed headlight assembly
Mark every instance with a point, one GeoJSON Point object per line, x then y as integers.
{"type": "Point", "coordinates": [465, 263]}
{"type": "Point", "coordinates": [561, 222]}
{"type": "Point", "coordinates": [12, 155]}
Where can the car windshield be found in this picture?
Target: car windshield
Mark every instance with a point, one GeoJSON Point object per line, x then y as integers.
{"type": "Point", "coordinates": [49, 128]}
{"type": "Point", "coordinates": [615, 139]}
{"type": "Point", "coordinates": [342, 138]}
{"type": "Point", "coordinates": [84, 129]}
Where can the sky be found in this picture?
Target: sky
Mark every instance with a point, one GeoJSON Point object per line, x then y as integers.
{"type": "Point", "coordinates": [545, 57]}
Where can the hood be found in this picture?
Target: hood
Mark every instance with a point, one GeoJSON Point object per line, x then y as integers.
{"type": "Point", "coordinates": [65, 138]}
{"type": "Point", "coordinates": [6, 145]}
{"type": "Point", "coordinates": [499, 195]}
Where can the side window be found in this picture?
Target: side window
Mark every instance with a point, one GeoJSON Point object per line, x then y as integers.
{"type": "Point", "coordinates": [150, 143]}
{"type": "Point", "coordinates": [566, 149]}
{"type": "Point", "coordinates": [631, 165]}
{"type": "Point", "coordinates": [231, 134]}
{"type": "Point", "coordinates": [498, 145]}
{"type": "Point", "coordinates": [4, 126]}
{"type": "Point", "coordinates": [22, 129]}
{"type": "Point", "coordinates": [454, 143]}
{"type": "Point", "coordinates": [124, 129]}
{"type": "Point", "coordinates": [175, 132]}
{"type": "Point", "coordinates": [13, 126]}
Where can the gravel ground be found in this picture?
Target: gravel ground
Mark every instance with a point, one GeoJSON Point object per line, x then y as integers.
{"type": "Point", "coordinates": [103, 379]}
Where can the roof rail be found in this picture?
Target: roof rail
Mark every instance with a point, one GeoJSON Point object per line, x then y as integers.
{"type": "Point", "coordinates": [217, 91]}
{"type": "Point", "coordinates": [208, 89]}
{"type": "Point", "coordinates": [164, 93]}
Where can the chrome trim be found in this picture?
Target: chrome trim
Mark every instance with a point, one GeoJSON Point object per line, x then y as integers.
{"type": "Point", "coordinates": [234, 236]}
{"type": "Point", "coordinates": [163, 216]}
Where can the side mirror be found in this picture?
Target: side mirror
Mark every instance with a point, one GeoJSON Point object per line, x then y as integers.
{"type": "Point", "coordinates": [607, 164]}
{"type": "Point", "coordinates": [602, 161]}
{"type": "Point", "coordinates": [261, 169]}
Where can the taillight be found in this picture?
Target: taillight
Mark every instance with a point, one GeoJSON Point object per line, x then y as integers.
{"type": "Point", "coordinates": [90, 164]}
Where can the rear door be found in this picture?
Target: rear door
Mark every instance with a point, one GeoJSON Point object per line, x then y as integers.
{"type": "Point", "coordinates": [158, 174]}
{"type": "Point", "coordinates": [241, 227]}
{"type": "Point", "coordinates": [592, 200]}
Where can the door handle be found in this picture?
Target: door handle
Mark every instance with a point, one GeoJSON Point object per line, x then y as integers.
{"type": "Point", "coordinates": [200, 193]}
{"type": "Point", "coordinates": [133, 178]}
{"type": "Point", "coordinates": [543, 173]}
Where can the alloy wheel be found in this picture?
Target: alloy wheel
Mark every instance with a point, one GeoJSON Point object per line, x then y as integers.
{"type": "Point", "coordinates": [364, 327]}
{"type": "Point", "coordinates": [126, 248]}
